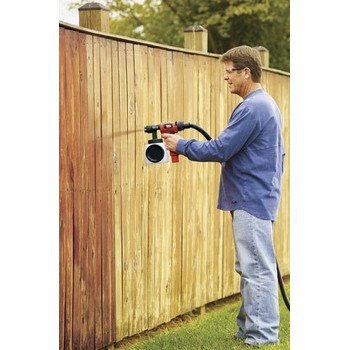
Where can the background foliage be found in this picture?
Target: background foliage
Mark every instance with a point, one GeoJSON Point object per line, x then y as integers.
{"type": "Point", "coordinates": [229, 23]}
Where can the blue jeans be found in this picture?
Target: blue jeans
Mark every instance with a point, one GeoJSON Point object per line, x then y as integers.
{"type": "Point", "coordinates": [258, 319]}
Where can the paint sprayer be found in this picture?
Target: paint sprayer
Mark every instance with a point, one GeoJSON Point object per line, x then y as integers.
{"type": "Point", "coordinates": [155, 150]}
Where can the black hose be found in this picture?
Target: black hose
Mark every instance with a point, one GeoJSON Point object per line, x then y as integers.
{"type": "Point", "coordinates": [283, 291]}
{"type": "Point", "coordinates": [198, 128]}
{"type": "Point", "coordinates": [279, 276]}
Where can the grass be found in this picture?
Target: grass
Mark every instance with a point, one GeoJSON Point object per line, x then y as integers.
{"type": "Point", "coordinates": [212, 331]}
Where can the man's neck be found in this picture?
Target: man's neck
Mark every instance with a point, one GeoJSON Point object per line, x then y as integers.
{"type": "Point", "coordinates": [250, 88]}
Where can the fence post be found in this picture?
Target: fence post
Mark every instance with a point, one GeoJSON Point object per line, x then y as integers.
{"type": "Point", "coordinates": [196, 38]}
{"type": "Point", "coordinates": [264, 55]}
{"type": "Point", "coordinates": [94, 16]}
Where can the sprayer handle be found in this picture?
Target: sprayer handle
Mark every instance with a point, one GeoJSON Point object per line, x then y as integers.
{"type": "Point", "coordinates": [174, 157]}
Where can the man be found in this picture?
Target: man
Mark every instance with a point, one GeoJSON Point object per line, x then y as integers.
{"type": "Point", "coordinates": [250, 150]}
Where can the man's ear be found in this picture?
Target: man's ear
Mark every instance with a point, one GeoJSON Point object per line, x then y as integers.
{"type": "Point", "coordinates": [247, 73]}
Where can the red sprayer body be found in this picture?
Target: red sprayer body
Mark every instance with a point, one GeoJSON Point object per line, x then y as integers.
{"type": "Point", "coordinates": [170, 128]}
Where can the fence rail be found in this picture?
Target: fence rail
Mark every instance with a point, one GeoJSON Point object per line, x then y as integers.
{"type": "Point", "coordinates": [142, 244]}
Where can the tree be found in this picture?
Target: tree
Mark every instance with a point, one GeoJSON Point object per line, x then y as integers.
{"type": "Point", "coordinates": [229, 23]}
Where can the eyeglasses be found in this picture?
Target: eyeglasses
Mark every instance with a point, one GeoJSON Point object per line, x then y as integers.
{"type": "Point", "coordinates": [231, 70]}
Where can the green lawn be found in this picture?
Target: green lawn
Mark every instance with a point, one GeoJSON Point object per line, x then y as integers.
{"type": "Point", "coordinates": [212, 331]}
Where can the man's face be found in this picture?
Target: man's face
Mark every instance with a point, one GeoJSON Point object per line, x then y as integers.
{"type": "Point", "coordinates": [234, 77]}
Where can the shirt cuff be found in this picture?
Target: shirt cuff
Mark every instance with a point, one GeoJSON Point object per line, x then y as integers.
{"type": "Point", "coordinates": [181, 145]}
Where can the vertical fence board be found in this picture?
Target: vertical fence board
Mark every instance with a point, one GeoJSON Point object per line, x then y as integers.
{"type": "Point", "coordinates": [90, 159]}
{"type": "Point", "coordinates": [177, 105]}
{"type": "Point", "coordinates": [163, 223]}
{"type": "Point", "coordinates": [212, 232]}
{"type": "Point", "coordinates": [98, 195]}
{"type": "Point", "coordinates": [123, 104]}
{"type": "Point", "coordinates": [157, 229]}
{"type": "Point", "coordinates": [153, 192]}
{"type": "Point", "coordinates": [142, 120]}
{"type": "Point", "coordinates": [68, 242]}
{"type": "Point", "coordinates": [63, 189]}
{"type": "Point", "coordinates": [108, 276]}
{"type": "Point", "coordinates": [118, 127]}
{"type": "Point", "coordinates": [187, 221]}
{"type": "Point", "coordinates": [170, 98]}
{"type": "Point", "coordinates": [134, 321]}
{"type": "Point", "coordinates": [76, 188]}
{"type": "Point", "coordinates": [84, 342]}
{"type": "Point", "coordinates": [141, 207]}
{"type": "Point", "coordinates": [167, 246]}
{"type": "Point", "coordinates": [77, 198]}
{"type": "Point", "coordinates": [216, 94]}
{"type": "Point", "coordinates": [204, 170]}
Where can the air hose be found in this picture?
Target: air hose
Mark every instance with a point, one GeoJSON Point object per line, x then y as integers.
{"type": "Point", "coordinates": [198, 128]}
{"type": "Point", "coordinates": [279, 276]}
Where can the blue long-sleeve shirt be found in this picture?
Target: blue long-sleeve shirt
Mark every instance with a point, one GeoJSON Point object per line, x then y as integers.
{"type": "Point", "coordinates": [251, 153]}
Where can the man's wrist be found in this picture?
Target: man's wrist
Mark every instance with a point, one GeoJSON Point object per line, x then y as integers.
{"type": "Point", "coordinates": [180, 146]}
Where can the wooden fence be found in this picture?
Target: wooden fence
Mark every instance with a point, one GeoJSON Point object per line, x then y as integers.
{"type": "Point", "coordinates": [142, 244]}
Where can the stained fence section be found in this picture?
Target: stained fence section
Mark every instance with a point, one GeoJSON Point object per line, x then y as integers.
{"type": "Point", "coordinates": [140, 244]}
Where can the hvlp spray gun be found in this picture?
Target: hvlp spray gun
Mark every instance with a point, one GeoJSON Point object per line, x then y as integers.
{"type": "Point", "coordinates": [156, 151]}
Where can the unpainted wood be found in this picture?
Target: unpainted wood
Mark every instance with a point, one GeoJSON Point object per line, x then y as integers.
{"type": "Point", "coordinates": [98, 194]}
{"type": "Point", "coordinates": [107, 248]}
{"type": "Point", "coordinates": [91, 180]}
{"type": "Point", "coordinates": [141, 194]}
{"type": "Point", "coordinates": [133, 250]}
{"type": "Point", "coordinates": [95, 20]}
{"type": "Point", "coordinates": [77, 194]}
{"type": "Point", "coordinates": [117, 204]}
{"type": "Point", "coordinates": [85, 337]}
{"type": "Point", "coordinates": [123, 136]}
{"type": "Point", "coordinates": [197, 41]}
{"type": "Point", "coordinates": [63, 190]}
{"type": "Point", "coordinates": [167, 205]}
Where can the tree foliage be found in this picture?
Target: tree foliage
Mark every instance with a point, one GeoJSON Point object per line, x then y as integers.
{"type": "Point", "coordinates": [229, 23]}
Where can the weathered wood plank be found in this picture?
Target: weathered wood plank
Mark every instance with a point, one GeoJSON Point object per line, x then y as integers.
{"type": "Point", "coordinates": [84, 175]}
{"type": "Point", "coordinates": [132, 254]}
{"type": "Point", "coordinates": [189, 249]}
{"type": "Point", "coordinates": [176, 98]}
{"type": "Point", "coordinates": [160, 57]}
{"type": "Point", "coordinates": [98, 195]}
{"type": "Point", "coordinates": [68, 243]}
{"type": "Point", "coordinates": [140, 207]}
{"type": "Point", "coordinates": [63, 188]}
{"type": "Point", "coordinates": [123, 107]}
{"type": "Point", "coordinates": [107, 247]}
{"type": "Point", "coordinates": [152, 202]}
{"type": "Point", "coordinates": [118, 124]}
{"type": "Point", "coordinates": [162, 223]}
{"type": "Point", "coordinates": [91, 195]}
{"type": "Point", "coordinates": [73, 87]}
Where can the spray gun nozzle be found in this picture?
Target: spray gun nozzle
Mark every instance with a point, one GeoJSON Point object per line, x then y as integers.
{"type": "Point", "coordinates": [172, 127]}
{"type": "Point", "coordinates": [151, 128]}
